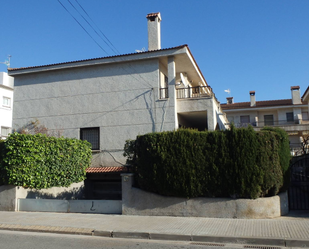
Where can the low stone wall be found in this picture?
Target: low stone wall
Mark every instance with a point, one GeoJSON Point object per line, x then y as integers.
{"type": "Point", "coordinates": [9, 194]}
{"type": "Point", "coordinates": [138, 202]}
{"type": "Point", "coordinates": [70, 206]}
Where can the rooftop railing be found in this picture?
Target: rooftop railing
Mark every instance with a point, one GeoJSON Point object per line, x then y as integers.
{"type": "Point", "coordinates": [273, 123]}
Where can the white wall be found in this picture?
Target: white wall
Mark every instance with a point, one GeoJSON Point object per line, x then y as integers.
{"type": "Point", "coordinates": [6, 90]}
{"type": "Point", "coordinates": [121, 99]}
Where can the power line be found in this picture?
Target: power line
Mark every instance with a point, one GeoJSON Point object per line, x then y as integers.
{"type": "Point", "coordinates": [98, 27]}
{"type": "Point", "coordinates": [144, 81]}
{"type": "Point", "coordinates": [91, 26]}
{"type": "Point", "coordinates": [82, 27]}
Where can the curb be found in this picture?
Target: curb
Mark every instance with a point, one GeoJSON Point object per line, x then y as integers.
{"type": "Point", "coordinates": [280, 242]}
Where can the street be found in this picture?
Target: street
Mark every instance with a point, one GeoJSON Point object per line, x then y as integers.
{"type": "Point", "coordinates": [30, 240]}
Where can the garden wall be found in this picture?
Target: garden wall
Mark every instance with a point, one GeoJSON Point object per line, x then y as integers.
{"type": "Point", "coordinates": [138, 202]}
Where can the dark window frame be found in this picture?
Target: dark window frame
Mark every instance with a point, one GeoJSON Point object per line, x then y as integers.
{"type": "Point", "coordinates": [289, 117]}
{"type": "Point", "coordinates": [82, 136]}
{"type": "Point", "coordinates": [268, 121]}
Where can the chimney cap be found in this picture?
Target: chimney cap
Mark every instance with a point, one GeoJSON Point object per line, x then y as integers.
{"type": "Point", "coordinates": [295, 87]}
{"type": "Point", "coordinates": [252, 92]}
{"type": "Point", "coordinates": [154, 15]}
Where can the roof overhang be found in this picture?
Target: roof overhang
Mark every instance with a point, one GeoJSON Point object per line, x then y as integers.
{"type": "Point", "coordinates": [305, 97]}
{"type": "Point", "coordinates": [183, 59]}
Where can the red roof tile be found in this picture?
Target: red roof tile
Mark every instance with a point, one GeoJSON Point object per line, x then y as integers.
{"type": "Point", "coordinates": [267, 103]}
{"type": "Point", "coordinates": [153, 14]}
{"type": "Point", "coordinates": [106, 169]}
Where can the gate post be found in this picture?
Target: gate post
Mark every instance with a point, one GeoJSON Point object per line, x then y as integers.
{"type": "Point", "coordinates": [127, 180]}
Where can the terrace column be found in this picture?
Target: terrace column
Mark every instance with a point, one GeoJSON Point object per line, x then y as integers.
{"type": "Point", "coordinates": [171, 68]}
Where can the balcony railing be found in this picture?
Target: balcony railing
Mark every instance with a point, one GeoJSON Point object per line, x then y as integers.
{"type": "Point", "coordinates": [273, 123]}
{"type": "Point", "coordinates": [193, 92]}
{"type": "Point", "coordinates": [187, 92]}
{"type": "Point", "coordinates": [163, 93]}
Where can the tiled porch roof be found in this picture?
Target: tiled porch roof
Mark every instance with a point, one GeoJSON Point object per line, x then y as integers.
{"type": "Point", "coordinates": [106, 169]}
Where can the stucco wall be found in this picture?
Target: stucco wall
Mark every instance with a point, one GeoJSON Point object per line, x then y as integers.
{"type": "Point", "coordinates": [6, 90]}
{"type": "Point", "coordinates": [9, 194]}
{"type": "Point", "coordinates": [139, 202]}
{"type": "Point", "coordinates": [121, 99]}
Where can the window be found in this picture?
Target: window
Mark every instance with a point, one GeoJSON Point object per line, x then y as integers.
{"type": "Point", "coordinates": [92, 135]}
{"type": "Point", "coordinates": [268, 119]}
{"type": "Point", "coordinates": [245, 119]}
{"type": "Point", "coordinates": [5, 131]}
{"type": "Point", "coordinates": [289, 117]}
{"type": "Point", "coordinates": [6, 102]}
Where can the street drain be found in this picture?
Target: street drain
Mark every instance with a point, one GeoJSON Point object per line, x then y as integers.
{"type": "Point", "coordinates": [262, 247]}
{"type": "Point", "coordinates": [206, 244]}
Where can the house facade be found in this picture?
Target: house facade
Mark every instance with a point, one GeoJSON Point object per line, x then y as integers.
{"type": "Point", "coordinates": [6, 104]}
{"type": "Point", "coordinates": [111, 99]}
{"type": "Point", "coordinates": [288, 114]}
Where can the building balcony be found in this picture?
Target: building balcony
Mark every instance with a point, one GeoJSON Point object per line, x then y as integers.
{"type": "Point", "coordinates": [188, 92]}
{"type": "Point", "coordinates": [295, 128]}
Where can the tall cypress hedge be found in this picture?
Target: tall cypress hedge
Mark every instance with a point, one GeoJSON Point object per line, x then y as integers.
{"type": "Point", "coordinates": [38, 161]}
{"type": "Point", "coordinates": [187, 163]}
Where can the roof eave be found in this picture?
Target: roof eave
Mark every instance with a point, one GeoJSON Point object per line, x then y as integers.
{"type": "Point", "coordinates": [100, 61]}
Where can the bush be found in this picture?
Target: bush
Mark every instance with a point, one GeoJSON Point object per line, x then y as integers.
{"type": "Point", "coordinates": [38, 161]}
{"type": "Point", "coordinates": [188, 163]}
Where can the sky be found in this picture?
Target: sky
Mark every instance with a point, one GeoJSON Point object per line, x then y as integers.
{"type": "Point", "coordinates": [240, 45]}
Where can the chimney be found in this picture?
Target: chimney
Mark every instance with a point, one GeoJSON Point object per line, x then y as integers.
{"type": "Point", "coordinates": [154, 31]}
{"type": "Point", "coordinates": [252, 98]}
{"type": "Point", "coordinates": [295, 95]}
{"type": "Point", "coordinates": [229, 100]}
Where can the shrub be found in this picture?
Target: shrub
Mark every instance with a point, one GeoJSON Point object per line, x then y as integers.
{"type": "Point", "coordinates": [189, 163]}
{"type": "Point", "coordinates": [38, 161]}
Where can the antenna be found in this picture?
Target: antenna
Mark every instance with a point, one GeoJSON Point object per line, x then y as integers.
{"type": "Point", "coordinates": [7, 62]}
{"type": "Point", "coordinates": [140, 51]}
{"type": "Point", "coordinates": [228, 91]}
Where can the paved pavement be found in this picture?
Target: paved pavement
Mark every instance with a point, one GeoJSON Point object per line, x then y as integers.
{"type": "Point", "coordinates": [287, 231]}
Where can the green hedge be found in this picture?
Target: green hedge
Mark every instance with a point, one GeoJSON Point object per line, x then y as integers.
{"type": "Point", "coordinates": [187, 163]}
{"type": "Point", "coordinates": [38, 161]}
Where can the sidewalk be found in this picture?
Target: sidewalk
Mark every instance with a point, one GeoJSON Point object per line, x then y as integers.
{"type": "Point", "coordinates": [289, 231]}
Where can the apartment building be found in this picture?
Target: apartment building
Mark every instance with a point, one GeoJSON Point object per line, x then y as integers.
{"type": "Point", "coordinates": [288, 114]}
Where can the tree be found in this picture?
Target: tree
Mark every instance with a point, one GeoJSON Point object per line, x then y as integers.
{"type": "Point", "coordinates": [34, 127]}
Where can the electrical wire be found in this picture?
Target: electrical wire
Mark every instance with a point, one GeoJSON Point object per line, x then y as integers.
{"type": "Point", "coordinates": [98, 28]}
{"type": "Point", "coordinates": [91, 26]}
{"type": "Point", "coordinates": [82, 27]}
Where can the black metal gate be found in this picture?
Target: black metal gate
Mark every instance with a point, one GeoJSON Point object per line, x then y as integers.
{"type": "Point", "coordinates": [299, 188]}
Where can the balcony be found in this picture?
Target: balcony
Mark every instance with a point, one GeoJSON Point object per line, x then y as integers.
{"type": "Point", "coordinates": [188, 92]}
{"type": "Point", "coordinates": [193, 92]}
{"type": "Point", "coordinates": [278, 123]}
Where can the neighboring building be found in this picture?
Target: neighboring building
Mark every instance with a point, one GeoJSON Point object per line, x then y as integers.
{"type": "Point", "coordinates": [6, 104]}
{"type": "Point", "coordinates": [288, 114]}
{"type": "Point", "coordinates": [111, 99]}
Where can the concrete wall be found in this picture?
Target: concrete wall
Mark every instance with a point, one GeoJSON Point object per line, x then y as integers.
{"type": "Point", "coordinates": [6, 90]}
{"type": "Point", "coordinates": [122, 99]}
{"type": "Point", "coordinates": [7, 198]}
{"type": "Point", "coordinates": [139, 202]}
{"type": "Point", "coordinates": [9, 194]}
{"type": "Point", "coordinates": [70, 206]}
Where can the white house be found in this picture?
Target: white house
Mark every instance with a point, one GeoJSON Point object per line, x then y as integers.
{"type": "Point", "coordinates": [288, 114]}
{"type": "Point", "coordinates": [111, 99]}
{"type": "Point", "coordinates": [6, 104]}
